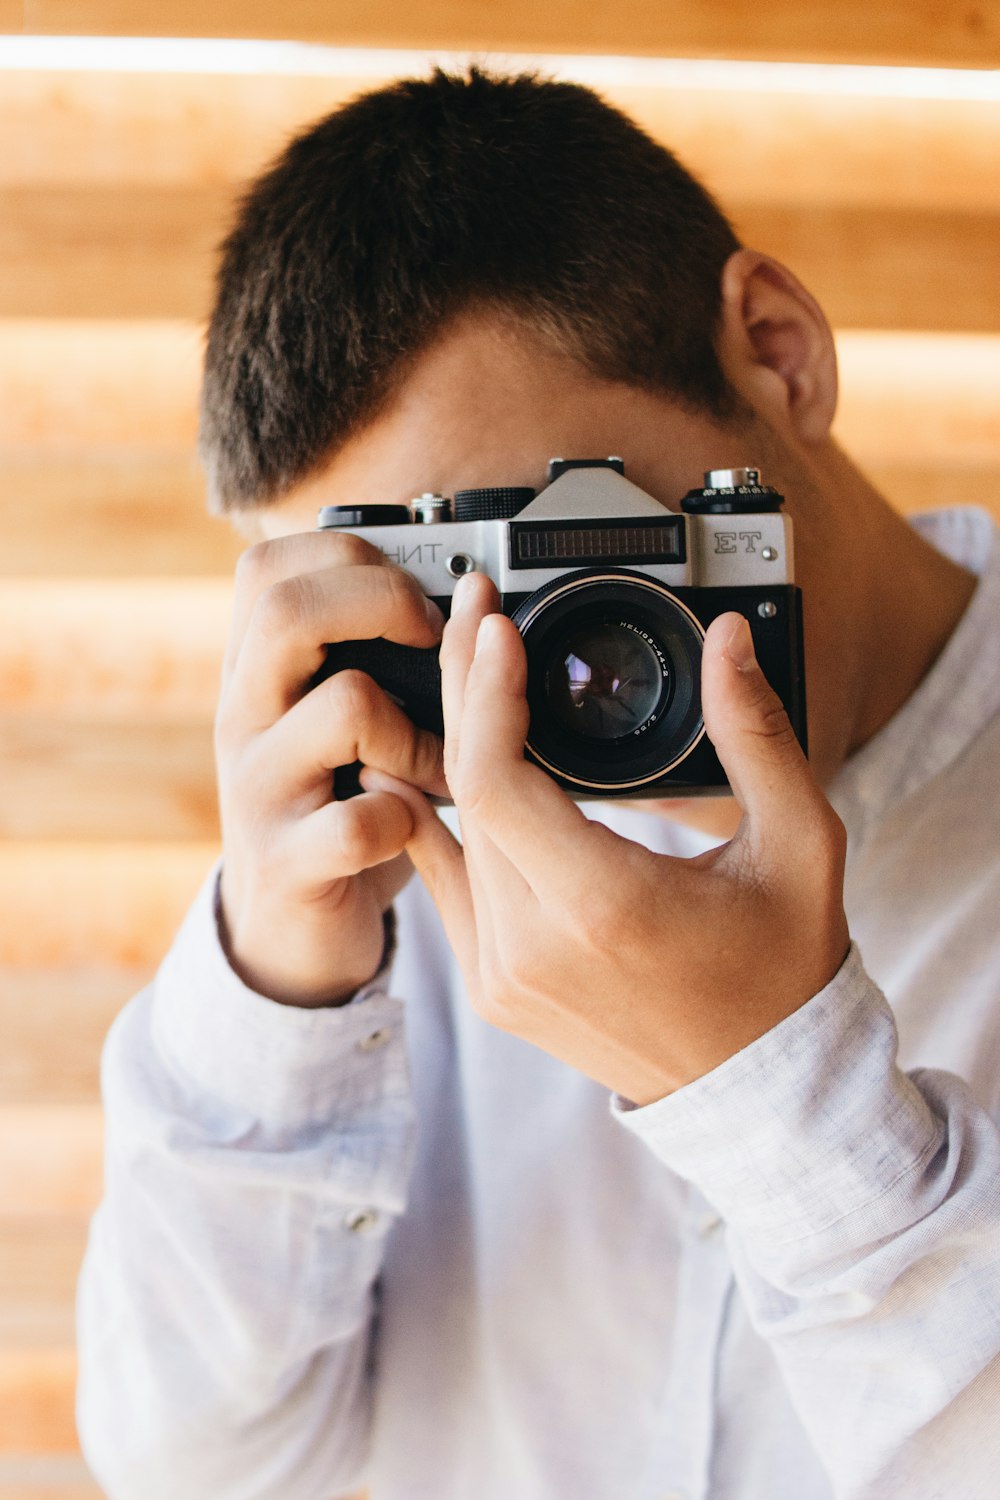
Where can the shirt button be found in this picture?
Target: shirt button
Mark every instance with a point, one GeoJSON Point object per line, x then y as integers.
{"type": "Point", "coordinates": [375, 1039]}
{"type": "Point", "coordinates": [361, 1220]}
{"type": "Point", "coordinates": [708, 1225]}
{"type": "Point", "coordinates": [673, 1495]}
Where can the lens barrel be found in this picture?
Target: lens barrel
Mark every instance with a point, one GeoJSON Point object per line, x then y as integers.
{"type": "Point", "coordinates": [614, 672]}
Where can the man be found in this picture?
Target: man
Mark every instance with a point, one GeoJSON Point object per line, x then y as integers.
{"type": "Point", "coordinates": [369, 1215]}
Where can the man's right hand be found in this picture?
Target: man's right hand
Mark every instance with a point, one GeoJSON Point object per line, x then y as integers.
{"type": "Point", "coordinates": [306, 879]}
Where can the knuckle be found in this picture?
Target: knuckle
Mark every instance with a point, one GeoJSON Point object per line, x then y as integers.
{"type": "Point", "coordinates": [357, 833]}
{"type": "Point", "coordinates": [426, 754]}
{"type": "Point", "coordinates": [254, 568]}
{"type": "Point", "coordinates": [353, 551]}
{"type": "Point", "coordinates": [405, 597]}
{"type": "Point", "coordinates": [282, 608]}
{"type": "Point", "coordinates": [352, 697]}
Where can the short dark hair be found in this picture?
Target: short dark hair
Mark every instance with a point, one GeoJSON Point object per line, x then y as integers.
{"type": "Point", "coordinates": [429, 197]}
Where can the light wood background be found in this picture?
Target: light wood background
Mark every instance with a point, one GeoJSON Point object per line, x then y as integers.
{"type": "Point", "coordinates": [114, 586]}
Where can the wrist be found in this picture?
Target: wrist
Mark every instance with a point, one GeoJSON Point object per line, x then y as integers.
{"type": "Point", "coordinates": [305, 961]}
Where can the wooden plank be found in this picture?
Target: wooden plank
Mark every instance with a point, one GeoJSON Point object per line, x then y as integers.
{"type": "Point", "coordinates": [109, 512]}
{"type": "Point", "coordinates": [46, 1478]}
{"type": "Point", "coordinates": [53, 1023]}
{"type": "Point", "coordinates": [898, 269]}
{"type": "Point", "coordinates": [156, 129]}
{"type": "Point", "coordinates": [955, 34]}
{"type": "Point", "coordinates": [37, 1390]}
{"type": "Point", "coordinates": [92, 385]}
{"type": "Point", "coordinates": [920, 397]}
{"type": "Point", "coordinates": [39, 1265]}
{"type": "Point", "coordinates": [148, 648]}
{"type": "Point", "coordinates": [784, 150]}
{"type": "Point", "coordinates": [94, 781]}
{"type": "Point", "coordinates": [105, 907]}
{"type": "Point", "coordinates": [175, 130]}
{"type": "Point", "coordinates": [50, 1161]}
{"type": "Point", "coordinates": [914, 487]}
{"type": "Point", "coordinates": [101, 253]}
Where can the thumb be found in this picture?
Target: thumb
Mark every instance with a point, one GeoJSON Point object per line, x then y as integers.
{"type": "Point", "coordinates": [438, 859]}
{"type": "Point", "coordinates": [747, 723]}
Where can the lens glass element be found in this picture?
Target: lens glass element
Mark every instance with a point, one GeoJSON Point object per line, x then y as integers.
{"type": "Point", "coordinates": [606, 679]}
{"type": "Point", "coordinates": [614, 663]}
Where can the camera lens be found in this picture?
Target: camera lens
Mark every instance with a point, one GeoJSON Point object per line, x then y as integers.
{"type": "Point", "coordinates": [614, 668]}
{"type": "Point", "coordinates": [606, 680]}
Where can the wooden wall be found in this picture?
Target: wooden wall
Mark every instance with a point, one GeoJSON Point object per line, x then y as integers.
{"type": "Point", "coordinates": [114, 588]}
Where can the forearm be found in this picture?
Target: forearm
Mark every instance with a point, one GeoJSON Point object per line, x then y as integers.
{"type": "Point", "coordinates": [256, 1158]}
{"type": "Point", "coordinates": [863, 1215]}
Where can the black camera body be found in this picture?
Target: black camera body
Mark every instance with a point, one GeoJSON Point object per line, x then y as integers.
{"type": "Point", "coordinates": [612, 593]}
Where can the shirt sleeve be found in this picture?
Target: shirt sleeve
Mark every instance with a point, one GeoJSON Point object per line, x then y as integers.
{"type": "Point", "coordinates": [863, 1216]}
{"type": "Point", "coordinates": [256, 1157]}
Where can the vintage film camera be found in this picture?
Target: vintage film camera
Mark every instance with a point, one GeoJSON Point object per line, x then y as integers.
{"type": "Point", "coordinates": [612, 594]}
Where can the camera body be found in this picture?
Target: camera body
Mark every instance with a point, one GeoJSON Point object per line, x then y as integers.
{"type": "Point", "coordinates": [612, 593]}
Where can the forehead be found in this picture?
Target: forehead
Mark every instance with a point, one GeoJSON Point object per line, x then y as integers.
{"type": "Point", "coordinates": [489, 403]}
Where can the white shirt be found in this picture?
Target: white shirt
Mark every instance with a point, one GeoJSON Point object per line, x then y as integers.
{"type": "Point", "coordinates": [337, 1249]}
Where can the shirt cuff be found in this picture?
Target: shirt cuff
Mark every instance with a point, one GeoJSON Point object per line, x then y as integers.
{"type": "Point", "coordinates": [286, 1065]}
{"type": "Point", "coordinates": [810, 1123]}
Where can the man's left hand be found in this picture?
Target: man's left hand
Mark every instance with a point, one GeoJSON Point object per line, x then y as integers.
{"type": "Point", "coordinates": [640, 970]}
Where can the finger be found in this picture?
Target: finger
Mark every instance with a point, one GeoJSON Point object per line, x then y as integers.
{"type": "Point", "coordinates": [499, 795]}
{"type": "Point", "coordinates": [268, 563]}
{"type": "Point", "coordinates": [292, 622]}
{"type": "Point", "coordinates": [342, 720]}
{"type": "Point", "coordinates": [341, 839]}
{"type": "Point", "coordinates": [747, 723]}
{"type": "Point", "coordinates": [489, 877]}
{"type": "Point", "coordinates": [439, 860]}
{"type": "Point", "coordinates": [474, 598]}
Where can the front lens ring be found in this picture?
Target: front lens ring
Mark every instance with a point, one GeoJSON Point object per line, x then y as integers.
{"type": "Point", "coordinates": [669, 735]}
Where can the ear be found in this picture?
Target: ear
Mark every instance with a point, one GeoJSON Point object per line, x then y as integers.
{"type": "Point", "coordinates": [776, 346]}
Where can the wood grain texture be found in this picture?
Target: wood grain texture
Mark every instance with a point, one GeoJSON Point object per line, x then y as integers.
{"type": "Point", "coordinates": [121, 130]}
{"type": "Point", "coordinates": [912, 487]}
{"type": "Point", "coordinates": [148, 648]}
{"type": "Point", "coordinates": [54, 1023]}
{"type": "Point", "coordinates": [39, 1265]}
{"type": "Point", "coordinates": [78, 907]}
{"type": "Point", "coordinates": [46, 1478]}
{"type": "Point", "coordinates": [103, 253]}
{"type": "Point", "coordinates": [50, 1161]}
{"type": "Point", "coordinates": [952, 33]}
{"type": "Point", "coordinates": [37, 1390]}
{"type": "Point", "coordinates": [100, 780]}
{"type": "Point", "coordinates": [912, 398]}
{"type": "Point", "coordinates": [109, 512]}
{"type": "Point", "coordinates": [900, 269]}
{"type": "Point", "coordinates": [99, 386]}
